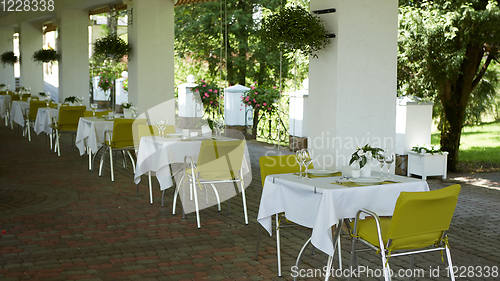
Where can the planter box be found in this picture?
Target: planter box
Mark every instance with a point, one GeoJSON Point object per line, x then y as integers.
{"type": "Point", "coordinates": [427, 164]}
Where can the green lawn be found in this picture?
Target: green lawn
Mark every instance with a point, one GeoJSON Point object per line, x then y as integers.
{"type": "Point", "coordinates": [479, 147]}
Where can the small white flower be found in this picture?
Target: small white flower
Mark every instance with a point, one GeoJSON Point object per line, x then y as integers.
{"type": "Point", "coordinates": [360, 153]}
{"type": "Point", "coordinates": [422, 150]}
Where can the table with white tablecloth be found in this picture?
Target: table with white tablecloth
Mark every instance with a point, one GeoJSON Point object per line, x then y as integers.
{"type": "Point", "coordinates": [320, 203]}
{"type": "Point", "coordinates": [156, 154]}
{"type": "Point", "coordinates": [90, 133]}
{"type": "Point", "coordinates": [4, 104]}
{"type": "Point", "coordinates": [18, 112]}
{"type": "Point", "coordinates": [44, 118]}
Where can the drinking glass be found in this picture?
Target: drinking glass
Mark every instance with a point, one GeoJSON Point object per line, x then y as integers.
{"type": "Point", "coordinates": [381, 160]}
{"type": "Point", "coordinates": [389, 160]}
{"type": "Point", "coordinates": [93, 106]}
{"type": "Point", "coordinates": [47, 100]}
{"type": "Point", "coordinates": [307, 159]}
{"type": "Point", "coordinates": [298, 158]}
{"type": "Point", "coordinates": [161, 127]}
{"type": "Point", "coordinates": [135, 110]}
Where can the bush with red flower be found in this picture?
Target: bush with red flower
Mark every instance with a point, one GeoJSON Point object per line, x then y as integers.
{"type": "Point", "coordinates": [263, 100]}
{"type": "Point", "coordinates": [106, 80]}
{"type": "Point", "coordinates": [210, 95]}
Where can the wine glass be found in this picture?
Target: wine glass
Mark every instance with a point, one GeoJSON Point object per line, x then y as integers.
{"type": "Point", "coordinates": [47, 100]}
{"type": "Point", "coordinates": [93, 107]}
{"type": "Point", "coordinates": [298, 158]}
{"type": "Point", "coordinates": [381, 160]}
{"type": "Point", "coordinates": [135, 110]}
{"type": "Point", "coordinates": [307, 159]}
{"type": "Point", "coordinates": [389, 160]}
{"type": "Point", "coordinates": [161, 127]}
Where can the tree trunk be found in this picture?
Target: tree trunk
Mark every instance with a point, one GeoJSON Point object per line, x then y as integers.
{"type": "Point", "coordinates": [255, 123]}
{"type": "Point", "coordinates": [454, 96]}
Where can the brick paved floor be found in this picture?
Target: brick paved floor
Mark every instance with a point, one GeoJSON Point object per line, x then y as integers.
{"type": "Point", "coordinates": [60, 221]}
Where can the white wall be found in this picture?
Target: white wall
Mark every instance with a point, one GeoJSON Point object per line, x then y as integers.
{"type": "Point", "coordinates": [73, 48]}
{"type": "Point", "coordinates": [7, 45]}
{"type": "Point", "coordinates": [31, 40]}
{"type": "Point", "coordinates": [352, 96]}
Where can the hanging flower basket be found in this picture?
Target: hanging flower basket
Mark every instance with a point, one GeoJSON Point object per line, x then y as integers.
{"type": "Point", "coordinates": [295, 29]}
{"type": "Point", "coordinates": [8, 58]}
{"type": "Point", "coordinates": [111, 47]}
{"type": "Point", "coordinates": [45, 56]}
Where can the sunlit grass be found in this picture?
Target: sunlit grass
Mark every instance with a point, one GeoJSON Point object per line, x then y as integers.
{"type": "Point", "coordinates": [479, 146]}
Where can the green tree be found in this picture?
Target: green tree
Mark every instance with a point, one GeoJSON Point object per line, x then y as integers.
{"type": "Point", "coordinates": [445, 48]}
{"type": "Point", "coordinates": [200, 38]}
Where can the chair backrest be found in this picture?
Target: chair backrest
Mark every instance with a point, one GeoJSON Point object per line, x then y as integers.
{"type": "Point", "coordinates": [69, 116]}
{"type": "Point", "coordinates": [420, 218]}
{"type": "Point", "coordinates": [278, 164]}
{"type": "Point", "coordinates": [25, 97]}
{"type": "Point", "coordinates": [220, 160]}
{"type": "Point", "coordinates": [123, 136]}
{"type": "Point", "coordinates": [3, 92]}
{"type": "Point", "coordinates": [14, 97]}
{"type": "Point", "coordinates": [34, 106]}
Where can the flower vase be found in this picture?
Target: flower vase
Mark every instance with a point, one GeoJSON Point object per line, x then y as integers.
{"type": "Point", "coordinates": [127, 113]}
{"type": "Point", "coordinates": [366, 171]}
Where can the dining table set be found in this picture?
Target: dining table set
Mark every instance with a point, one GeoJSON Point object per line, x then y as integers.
{"type": "Point", "coordinates": [322, 200]}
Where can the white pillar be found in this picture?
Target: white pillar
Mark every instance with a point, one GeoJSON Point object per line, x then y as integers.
{"type": "Point", "coordinates": [30, 41]}
{"type": "Point", "coordinates": [73, 47]}
{"type": "Point", "coordinates": [352, 98]}
{"type": "Point", "coordinates": [7, 45]}
{"type": "Point", "coordinates": [151, 65]}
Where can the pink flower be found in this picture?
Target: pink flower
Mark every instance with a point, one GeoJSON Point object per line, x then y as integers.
{"type": "Point", "coordinates": [197, 90]}
{"type": "Point", "coordinates": [209, 90]}
{"type": "Point", "coordinates": [241, 109]}
{"type": "Point", "coordinates": [254, 100]}
{"type": "Point", "coordinates": [206, 95]}
{"type": "Point", "coordinates": [211, 102]}
{"type": "Point", "coordinates": [268, 108]}
{"type": "Point", "coordinates": [264, 104]}
{"type": "Point", "coordinates": [250, 103]}
{"type": "Point", "coordinates": [274, 87]}
{"type": "Point", "coordinates": [253, 88]}
{"type": "Point", "coordinates": [255, 83]}
{"type": "Point", "coordinates": [204, 85]}
{"type": "Point", "coordinates": [215, 91]}
{"type": "Point", "coordinates": [203, 97]}
{"type": "Point", "coordinates": [257, 105]}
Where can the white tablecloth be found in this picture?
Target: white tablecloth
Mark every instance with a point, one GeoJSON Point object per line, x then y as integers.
{"type": "Point", "coordinates": [4, 104]}
{"type": "Point", "coordinates": [91, 133]}
{"type": "Point", "coordinates": [44, 119]}
{"type": "Point", "coordinates": [331, 202]}
{"type": "Point", "coordinates": [156, 154]}
{"type": "Point", "coordinates": [18, 111]}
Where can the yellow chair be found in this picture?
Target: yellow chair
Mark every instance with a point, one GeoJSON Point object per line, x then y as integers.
{"type": "Point", "coordinates": [418, 225]}
{"type": "Point", "coordinates": [121, 138]}
{"type": "Point", "coordinates": [67, 122]}
{"type": "Point", "coordinates": [218, 162]}
{"type": "Point", "coordinates": [32, 113]}
{"type": "Point", "coordinates": [272, 165]}
{"type": "Point", "coordinates": [25, 97]}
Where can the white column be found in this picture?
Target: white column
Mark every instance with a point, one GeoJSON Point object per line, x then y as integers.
{"type": "Point", "coordinates": [7, 70]}
{"type": "Point", "coordinates": [30, 41]}
{"type": "Point", "coordinates": [73, 47]}
{"type": "Point", "coordinates": [352, 98]}
{"type": "Point", "coordinates": [151, 65]}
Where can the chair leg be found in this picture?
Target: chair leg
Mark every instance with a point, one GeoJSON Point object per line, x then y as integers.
{"type": "Point", "coordinates": [244, 203]}
{"type": "Point", "coordinates": [412, 262]}
{"type": "Point", "coordinates": [150, 188]}
{"type": "Point", "coordinates": [124, 159]}
{"type": "Point", "coordinates": [28, 129]}
{"type": "Point", "coordinates": [137, 191]}
{"type": "Point", "coordinates": [278, 244]}
{"type": "Point", "coordinates": [131, 160]}
{"type": "Point", "coordinates": [181, 184]}
{"type": "Point", "coordinates": [195, 193]}
{"type": "Point", "coordinates": [216, 196]}
{"type": "Point", "coordinates": [163, 196]}
{"type": "Point", "coordinates": [450, 264]}
{"type": "Point", "coordinates": [111, 164]}
{"type": "Point", "coordinates": [101, 162]}
{"type": "Point", "coordinates": [385, 266]}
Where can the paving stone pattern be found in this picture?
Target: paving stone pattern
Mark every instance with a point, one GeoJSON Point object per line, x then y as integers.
{"type": "Point", "coordinates": [60, 221]}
